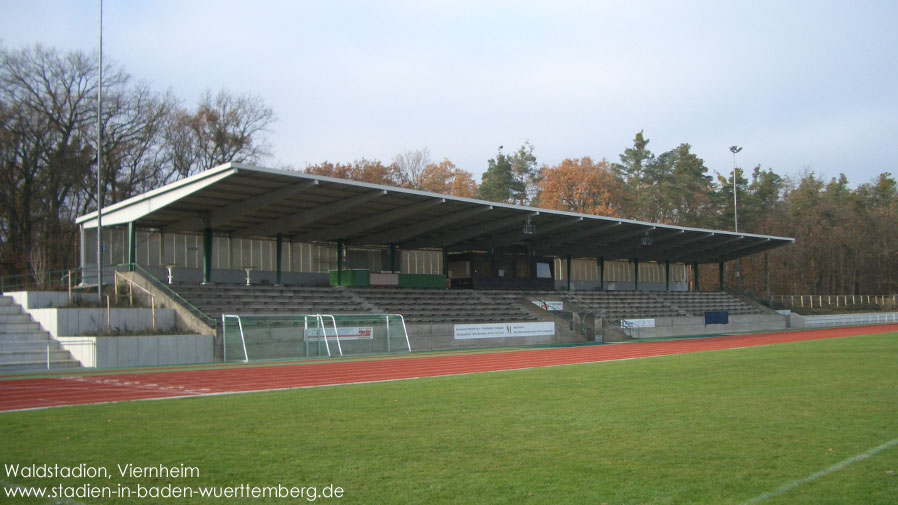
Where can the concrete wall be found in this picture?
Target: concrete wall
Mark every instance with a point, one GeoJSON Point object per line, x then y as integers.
{"type": "Point", "coordinates": [73, 322]}
{"type": "Point", "coordinates": [683, 326]}
{"type": "Point", "coordinates": [45, 299]}
{"type": "Point", "coordinates": [430, 337]}
{"type": "Point", "coordinates": [125, 352]}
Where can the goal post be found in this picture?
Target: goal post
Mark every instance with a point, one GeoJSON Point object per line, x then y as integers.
{"type": "Point", "coordinates": [306, 336]}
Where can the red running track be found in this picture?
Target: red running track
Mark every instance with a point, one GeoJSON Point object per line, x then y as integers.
{"type": "Point", "coordinates": [26, 394]}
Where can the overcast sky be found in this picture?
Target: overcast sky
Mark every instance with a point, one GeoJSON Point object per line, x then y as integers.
{"type": "Point", "coordinates": [799, 85]}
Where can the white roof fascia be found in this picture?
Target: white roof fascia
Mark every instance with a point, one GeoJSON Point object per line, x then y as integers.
{"type": "Point", "coordinates": [136, 207]}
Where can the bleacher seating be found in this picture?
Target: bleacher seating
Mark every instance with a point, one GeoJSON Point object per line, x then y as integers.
{"type": "Point", "coordinates": [216, 300]}
{"type": "Point", "coordinates": [446, 306]}
{"type": "Point", "coordinates": [451, 306]}
{"type": "Point", "coordinates": [696, 304]}
{"type": "Point", "coordinates": [624, 304]}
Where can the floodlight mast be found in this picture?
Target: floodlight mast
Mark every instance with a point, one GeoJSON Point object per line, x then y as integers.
{"type": "Point", "coordinates": [734, 150]}
{"type": "Point", "coordinates": [100, 159]}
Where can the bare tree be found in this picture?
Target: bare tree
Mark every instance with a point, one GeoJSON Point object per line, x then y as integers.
{"type": "Point", "coordinates": [223, 128]}
{"type": "Point", "coordinates": [411, 166]}
{"type": "Point", "coordinates": [48, 150]}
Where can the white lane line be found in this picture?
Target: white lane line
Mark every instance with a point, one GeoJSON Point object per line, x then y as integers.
{"type": "Point", "coordinates": [822, 473]}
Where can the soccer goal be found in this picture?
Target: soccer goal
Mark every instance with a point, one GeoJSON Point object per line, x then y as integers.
{"type": "Point", "coordinates": [299, 336]}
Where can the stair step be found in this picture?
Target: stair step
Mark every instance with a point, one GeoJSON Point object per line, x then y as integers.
{"type": "Point", "coordinates": [15, 318]}
{"type": "Point", "coordinates": [27, 336]}
{"type": "Point", "coordinates": [10, 310]}
{"type": "Point", "coordinates": [29, 356]}
{"type": "Point", "coordinates": [35, 366]}
{"type": "Point", "coordinates": [36, 345]}
{"type": "Point", "coordinates": [19, 327]}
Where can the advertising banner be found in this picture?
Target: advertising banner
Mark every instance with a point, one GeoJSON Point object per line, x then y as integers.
{"type": "Point", "coordinates": [499, 330]}
{"type": "Point", "coordinates": [345, 333]}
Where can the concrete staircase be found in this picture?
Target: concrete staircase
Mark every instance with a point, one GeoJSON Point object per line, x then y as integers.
{"type": "Point", "coordinates": [23, 344]}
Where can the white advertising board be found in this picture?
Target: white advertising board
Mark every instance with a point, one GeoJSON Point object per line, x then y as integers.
{"type": "Point", "coordinates": [637, 323]}
{"type": "Point", "coordinates": [345, 333]}
{"type": "Point", "coordinates": [499, 330]}
{"type": "Point", "coordinates": [546, 305]}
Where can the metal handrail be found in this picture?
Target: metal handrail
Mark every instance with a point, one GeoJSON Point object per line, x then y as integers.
{"type": "Point", "coordinates": [131, 284]}
{"type": "Point", "coordinates": [51, 277]}
{"type": "Point", "coordinates": [171, 293]}
{"type": "Point", "coordinates": [69, 342]}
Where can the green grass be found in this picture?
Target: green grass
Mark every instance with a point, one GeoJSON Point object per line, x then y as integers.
{"type": "Point", "coordinates": [716, 428]}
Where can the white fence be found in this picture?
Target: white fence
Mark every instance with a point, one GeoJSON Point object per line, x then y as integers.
{"type": "Point", "coordinates": [850, 319]}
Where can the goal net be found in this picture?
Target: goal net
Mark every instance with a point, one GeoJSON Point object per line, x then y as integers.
{"type": "Point", "coordinates": [300, 336]}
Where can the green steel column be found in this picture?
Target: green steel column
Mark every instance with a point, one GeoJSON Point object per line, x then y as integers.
{"type": "Point", "coordinates": [635, 274]}
{"type": "Point", "coordinates": [392, 257]}
{"type": "Point", "coordinates": [568, 272]}
{"type": "Point", "coordinates": [601, 273]}
{"type": "Point", "coordinates": [207, 255]}
{"type": "Point", "coordinates": [720, 267]}
{"type": "Point", "coordinates": [695, 277]}
{"type": "Point", "coordinates": [339, 262]}
{"type": "Point", "coordinates": [445, 263]}
{"type": "Point", "coordinates": [132, 246]}
{"type": "Point", "coordinates": [666, 275]}
{"type": "Point", "coordinates": [278, 257]}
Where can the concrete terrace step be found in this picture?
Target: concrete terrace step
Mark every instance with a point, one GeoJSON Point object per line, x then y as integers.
{"type": "Point", "coordinates": [15, 318]}
{"type": "Point", "coordinates": [9, 310]}
{"type": "Point", "coordinates": [15, 328]}
{"type": "Point", "coordinates": [36, 366]}
{"type": "Point", "coordinates": [33, 356]}
{"type": "Point", "coordinates": [36, 345]}
{"type": "Point", "coordinates": [31, 336]}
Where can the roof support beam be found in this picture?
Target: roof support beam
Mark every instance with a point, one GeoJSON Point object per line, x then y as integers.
{"type": "Point", "coordinates": [621, 248]}
{"type": "Point", "coordinates": [748, 250]}
{"type": "Point", "coordinates": [223, 216]}
{"type": "Point", "coordinates": [399, 235]}
{"type": "Point", "coordinates": [290, 223]}
{"type": "Point", "coordinates": [513, 237]}
{"type": "Point", "coordinates": [698, 254]}
{"type": "Point", "coordinates": [476, 231]}
{"type": "Point", "coordinates": [639, 250]}
{"type": "Point", "coordinates": [585, 231]}
{"type": "Point", "coordinates": [665, 251]}
{"type": "Point", "coordinates": [360, 226]}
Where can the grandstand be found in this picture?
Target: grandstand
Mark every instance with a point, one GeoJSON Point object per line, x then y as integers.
{"type": "Point", "coordinates": [238, 239]}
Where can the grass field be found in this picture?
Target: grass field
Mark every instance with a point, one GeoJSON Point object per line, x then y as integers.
{"type": "Point", "coordinates": [726, 427]}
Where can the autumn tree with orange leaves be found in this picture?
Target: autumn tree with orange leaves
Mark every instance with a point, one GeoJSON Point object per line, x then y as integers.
{"type": "Point", "coordinates": [372, 171]}
{"type": "Point", "coordinates": [447, 179]}
{"type": "Point", "coordinates": [581, 185]}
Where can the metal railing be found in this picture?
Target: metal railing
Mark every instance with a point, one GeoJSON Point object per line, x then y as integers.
{"type": "Point", "coordinates": [174, 295]}
{"type": "Point", "coordinates": [131, 285]}
{"type": "Point", "coordinates": [832, 320]}
{"type": "Point", "coordinates": [54, 280]}
{"type": "Point", "coordinates": [812, 301]}
{"type": "Point", "coordinates": [62, 345]}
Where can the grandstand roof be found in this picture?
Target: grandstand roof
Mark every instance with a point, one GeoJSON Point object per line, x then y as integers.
{"type": "Point", "coordinates": [254, 202]}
